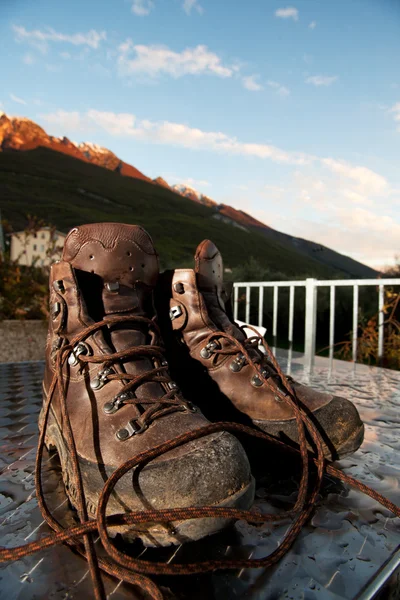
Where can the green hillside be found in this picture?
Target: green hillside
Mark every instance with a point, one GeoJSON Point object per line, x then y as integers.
{"type": "Point", "coordinates": [67, 192]}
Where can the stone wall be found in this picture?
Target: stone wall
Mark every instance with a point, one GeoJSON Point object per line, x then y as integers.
{"type": "Point", "coordinates": [22, 340]}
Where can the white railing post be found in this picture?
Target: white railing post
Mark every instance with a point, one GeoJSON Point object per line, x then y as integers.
{"type": "Point", "coordinates": [355, 324]}
{"type": "Point", "coordinates": [311, 323]}
{"type": "Point", "coordinates": [247, 316]}
{"type": "Point", "coordinates": [311, 286]}
{"type": "Point", "coordinates": [275, 320]}
{"type": "Point", "coordinates": [332, 329]}
{"type": "Point", "coordinates": [235, 302]}
{"type": "Point", "coordinates": [260, 305]}
{"type": "Point", "coordinates": [381, 319]}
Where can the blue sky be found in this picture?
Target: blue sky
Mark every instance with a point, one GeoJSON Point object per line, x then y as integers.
{"type": "Point", "coordinates": [290, 111]}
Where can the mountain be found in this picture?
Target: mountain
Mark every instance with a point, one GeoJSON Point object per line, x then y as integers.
{"type": "Point", "coordinates": [323, 254]}
{"type": "Point", "coordinates": [21, 134]}
{"type": "Point", "coordinates": [350, 267]}
{"type": "Point", "coordinates": [192, 194]}
{"type": "Point", "coordinates": [18, 133]}
{"type": "Point", "coordinates": [67, 192]}
{"type": "Point", "coordinates": [162, 182]}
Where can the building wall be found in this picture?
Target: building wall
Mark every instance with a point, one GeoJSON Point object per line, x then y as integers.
{"type": "Point", "coordinates": [28, 249]}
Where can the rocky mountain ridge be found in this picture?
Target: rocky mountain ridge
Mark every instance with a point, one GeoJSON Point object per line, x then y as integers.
{"type": "Point", "coordinates": [20, 133]}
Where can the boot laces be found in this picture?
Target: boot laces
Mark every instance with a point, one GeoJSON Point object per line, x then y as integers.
{"type": "Point", "coordinates": [135, 570]}
{"type": "Point", "coordinates": [151, 408]}
{"type": "Point", "coordinates": [248, 351]}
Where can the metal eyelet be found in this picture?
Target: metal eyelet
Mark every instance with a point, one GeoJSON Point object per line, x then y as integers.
{"type": "Point", "coordinates": [175, 312]}
{"type": "Point", "coordinates": [79, 349]}
{"type": "Point", "coordinates": [101, 378]}
{"type": "Point", "coordinates": [256, 381]}
{"type": "Point", "coordinates": [111, 407]}
{"type": "Point", "coordinates": [58, 286]}
{"type": "Point", "coordinates": [172, 385]}
{"type": "Point", "coordinates": [189, 407]}
{"type": "Point", "coordinates": [179, 288]}
{"type": "Point", "coordinates": [55, 310]}
{"type": "Point", "coordinates": [208, 349]}
{"type": "Point", "coordinates": [131, 428]}
{"type": "Point", "coordinates": [237, 364]}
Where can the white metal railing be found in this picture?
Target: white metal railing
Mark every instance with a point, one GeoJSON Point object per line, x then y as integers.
{"type": "Point", "coordinates": [311, 286]}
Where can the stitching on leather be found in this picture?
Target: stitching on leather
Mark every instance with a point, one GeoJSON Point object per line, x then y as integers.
{"type": "Point", "coordinates": [112, 249]}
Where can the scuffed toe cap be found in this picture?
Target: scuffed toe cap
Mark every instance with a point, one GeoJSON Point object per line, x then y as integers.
{"type": "Point", "coordinates": [340, 426]}
{"type": "Point", "coordinates": [338, 423]}
{"type": "Point", "coordinates": [215, 470]}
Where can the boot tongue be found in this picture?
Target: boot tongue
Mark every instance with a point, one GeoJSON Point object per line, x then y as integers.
{"type": "Point", "coordinates": [122, 260]}
{"type": "Point", "coordinates": [209, 269]}
{"type": "Point", "coordinates": [117, 267]}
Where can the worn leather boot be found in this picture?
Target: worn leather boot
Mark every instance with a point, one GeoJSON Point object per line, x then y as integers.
{"type": "Point", "coordinates": [194, 319]}
{"type": "Point", "coordinates": [119, 395]}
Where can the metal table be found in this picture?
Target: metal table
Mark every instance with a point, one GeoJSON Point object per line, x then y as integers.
{"type": "Point", "coordinates": [350, 549]}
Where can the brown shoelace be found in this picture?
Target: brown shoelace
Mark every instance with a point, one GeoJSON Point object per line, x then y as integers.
{"type": "Point", "coordinates": [135, 570]}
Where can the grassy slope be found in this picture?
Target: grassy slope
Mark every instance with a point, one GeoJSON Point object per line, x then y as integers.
{"type": "Point", "coordinates": [46, 184]}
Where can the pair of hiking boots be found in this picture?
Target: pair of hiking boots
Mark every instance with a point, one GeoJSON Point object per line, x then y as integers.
{"type": "Point", "coordinates": [109, 394]}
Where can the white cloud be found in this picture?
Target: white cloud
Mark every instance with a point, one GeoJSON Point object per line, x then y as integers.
{"type": "Point", "coordinates": [28, 59]}
{"type": "Point", "coordinates": [156, 60]}
{"type": "Point", "coordinates": [367, 181]}
{"type": "Point", "coordinates": [64, 119]}
{"type": "Point", "coordinates": [17, 99]}
{"type": "Point", "coordinates": [189, 5]}
{"type": "Point", "coordinates": [359, 181]}
{"type": "Point", "coordinates": [65, 55]}
{"type": "Point", "coordinates": [312, 25]}
{"type": "Point", "coordinates": [290, 12]}
{"type": "Point", "coordinates": [356, 197]}
{"type": "Point", "coordinates": [363, 234]}
{"type": "Point", "coordinates": [142, 8]}
{"type": "Point", "coordinates": [175, 134]}
{"type": "Point", "coordinates": [40, 39]}
{"type": "Point", "coordinates": [342, 205]}
{"type": "Point", "coordinates": [250, 83]}
{"type": "Point", "coordinates": [395, 110]}
{"type": "Point", "coordinates": [331, 209]}
{"type": "Point", "coordinates": [280, 89]}
{"type": "Point", "coordinates": [321, 80]}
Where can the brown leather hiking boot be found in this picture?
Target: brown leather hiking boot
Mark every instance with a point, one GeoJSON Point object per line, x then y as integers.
{"type": "Point", "coordinates": [119, 396]}
{"type": "Point", "coordinates": [206, 346]}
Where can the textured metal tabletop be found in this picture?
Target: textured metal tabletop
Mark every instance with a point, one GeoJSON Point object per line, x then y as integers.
{"type": "Point", "coordinates": [341, 553]}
